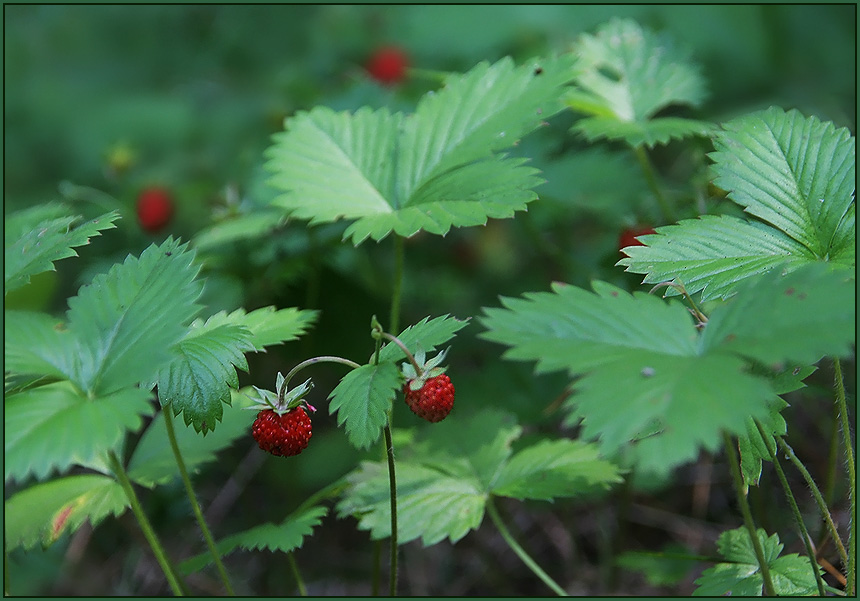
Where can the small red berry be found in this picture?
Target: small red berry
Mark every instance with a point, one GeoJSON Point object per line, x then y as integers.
{"type": "Point", "coordinates": [629, 235]}
{"type": "Point", "coordinates": [282, 435]}
{"type": "Point", "coordinates": [433, 401]}
{"type": "Point", "coordinates": [154, 208]}
{"type": "Point", "coordinates": [388, 65]}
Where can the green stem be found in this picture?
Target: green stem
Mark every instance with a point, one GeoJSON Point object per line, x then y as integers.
{"type": "Point", "coordinates": [145, 526]}
{"type": "Point", "coordinates": [402, 346]}
{"type": "Point", "coordinates": [392, 484]}
{"type": "Point", "coordinates": [851, 574]}
{"type": "Point", "coordinates": [295, 568]}
{"type": "Point", "coordinates": [312, 361]}
{"type": "Point", "coordinates": [822, 505]}
{"type": "Point", "coordinates": [377, 563]}
{"type": "Point", "coordinates": [745, 510]}
{"type": "Point", "coordinates": [651, 179]}
{"type": "Point", "coordinates": [397, 285]}
{"type": "Point", "coordinates": [195, 506]}
{"type": "Point", "coordinates": [521, 553]}
{"type": "Point", "coordinates": [795, 510]}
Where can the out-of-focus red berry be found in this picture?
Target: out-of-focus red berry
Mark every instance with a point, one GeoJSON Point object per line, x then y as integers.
{"type": "Point", "coordinates": [628, 236]}
{"type": "Point", "coordinates": [154, 208]}
{"type": "Point", "coordinates": [388, 65]}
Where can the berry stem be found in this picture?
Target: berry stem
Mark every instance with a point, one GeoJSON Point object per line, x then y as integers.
{"type": "Point", "coordinates": [195, 506]}
{"type": "Point", "coordinates": [402, 346]}
{"type": "Point", "coordinates": [521, 553]}
{"type": "Point", "coordinates": [312, 361]}
{"type": "Point", "coordinates": [145, 526]}
{"type": "Point", "coordinates": [392, 485]}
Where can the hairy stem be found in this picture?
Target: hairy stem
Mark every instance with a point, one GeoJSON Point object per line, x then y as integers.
{"type": "Point", "coordinates": [651, 179]}
{"type": "Point", "coordinates": [312, 361]}
{"type": "Point", "coordinates": [298, 576]}
{"type": "Point", "coordinates": [795, 510]}
{"type": "Point", "coordinates": [852, 477]}
{"type": "Point", "coordinates": [145, 526]}
{"type": "Point", "coordinates": [822, 505]}
{"type": "Point", "coordinates": [521, 553]}
{"type": "Point", "coordinates": [192, 497]}
{"type": "Point", "coordinates": [392, 484]}
{"type": "Point", "coordinates": [743, 502]}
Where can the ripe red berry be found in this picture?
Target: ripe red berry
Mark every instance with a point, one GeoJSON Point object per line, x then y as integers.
{"type": "Point", "coordinates": [282, 435]}
{"type": "Point", "coordinates": [628, 236]}
{"type": "Point", "coordinates": [433, 401]}
{"type": "Point", "coordinates": [154, 208]}
{"type": "Point", "coordinates": [388, 65]}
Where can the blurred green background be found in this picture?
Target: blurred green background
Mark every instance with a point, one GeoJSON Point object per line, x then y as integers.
{"type": "Point", "coordinates": [102, 101]}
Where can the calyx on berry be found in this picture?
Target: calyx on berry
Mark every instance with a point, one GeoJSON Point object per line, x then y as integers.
{"type": "Point", "coordinates": [286, 400]}
{"type": "Point", "coordinates": [430, 368]}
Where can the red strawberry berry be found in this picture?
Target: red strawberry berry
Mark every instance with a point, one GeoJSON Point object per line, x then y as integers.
{"type": "Point", "coordinates": [282, 435]}
{"type": "Point", "coordinates": [388, 65]}
{"type": "Point", "coordinates": [629, 235]}
{"type": "Point", "coordinates": [154, 208]}
{"type": "Point", "coordinates": [433, 401]}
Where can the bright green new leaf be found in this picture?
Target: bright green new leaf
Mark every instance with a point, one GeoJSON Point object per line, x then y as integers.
{"type": "Point", "coordinates": [126, 320]}
{"type": "Point", "coordinates": [795, 173]}
{"type": "Point", "coordinates": [430, 334]}
{"type": "Point", "coordinates": [37, 237]}
{"type": "Point", "coordinates": [53, 427]}
{"type": "Point", "coordinates": [628, 76]}
{"type": "Point", "coordinates": [153, 462]}
{"type": "Point", "coordinates": [741, 575]}
{"type": "Point", "coordinates": [285, 537]}
{"type": "Point", "coordinates": [362, 400]}
{"type": "Point", "coordinates": [44, 512]}
{"type": "Point", "coordinates": [555, 468]}
{"type": "Point", "coordinates": [197, 382]}
{"type": "Point", "coordinates": [435, 169]}
{"type": "Point", "coordinates": [268, 326]}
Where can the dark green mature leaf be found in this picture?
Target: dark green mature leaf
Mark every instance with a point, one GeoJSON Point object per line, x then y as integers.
{"type": "Point", "coordinates": [430, 334]}
{"type": "Point", "coordinates": [713, 254]}
{"type": "Point", "coordinates": [287, 536]}
{"type": "Point", "coordinates": [432, 170]}
{"type": "Point", "coordinates": [44, 512]}
{"type": "Point", "coordinates": [741, 575]}
{"type": "Point", "coordinates": [126, 320]}
{"type": "Point", "coordinates": [55, 426]}
{"type": "Point", "coordinates": [629, 75]}
{"type": "Point", "coordinates": [268, 326]}
{"type": "Point", "coordinates": [362, 400]}
{"type": "Point", "coordinates": [153, 462]}
{"type": "Point", "coordinates": [795, 173]}
{"type": "Point", "coordinates": [37, 237]}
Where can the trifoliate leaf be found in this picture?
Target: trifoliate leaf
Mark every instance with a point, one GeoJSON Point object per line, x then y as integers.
{"type": "Point", "coordinates": [126, 320]}
{"type": "Point", "coordinates": [555, 468]}
{"type": "Point", "coordinates": [35, 344]}
{"type": "Point", "coordinates": [712, 254]}
{"type": "Point", "coordinates": [198, 380]}
{"type": "Point", "coordinates": [432, 170]}
{"type": "Point", "coordinates": [629, 75]}
{"type": "Point", "coordinates": [427, 335]}
{"type": "Point", "coordinates": [799, 317]}
{"type": "Point", "coordinates": [741, 575]}
{"type": "Point", "coordinates": [362, 400]}
{"type": "Point", "coordinates": [793, 172]}
{"type": "Point", "coordinates": [153, 462]}
{"type": "Point", "coordinates": [53, 427]}
{"type": "Point", "coordinates": [44, 512]}
{"type": "Point", "coordinates": [37, 237]}
{"type": "Point", "coordinates": [267, 326]}
{"type": "Point", "coordinates": [285, 537]}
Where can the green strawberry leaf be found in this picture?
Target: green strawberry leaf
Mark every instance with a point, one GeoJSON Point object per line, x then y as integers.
{"type": "Point", "coordinates": [428, 334]}
{"type": "Point", "coordinates": [197, 382]}
{"type": "Point", "coordinates": [153, 462]}
{"type": "Point", "coordinates": [56, 426]}
{"type": "Point", "coordinates": [646, 370]}
{"type": "Point", "coordinates": [251, 226]}
{"type": "Point", "coordinates": [44, 512]}
{"type": "Point", "coordinates": [35, 344]}
{"type": "Point", "coordinates": [753, 448]}
{"type": "Point", "coordinates": [662, 568]}
{"type": "Point", "coordinates": [362, 400]}
{"type": "Point", "coordinates": [268, 326]}
{"type": "Point", "coordinates": [287, 536]}
{"type": "Point", "coordinates": [432, 170]}
{"type": "Point", "coordinates": [793, 172]}
{"type": "Point", "coordinates": [741, 575]}
{"type": "Point", "coordinates": [628, 76]}
{"type": "Point", "coordinates": [37, 237]}
{"type": "Point", "coordinates": [137, 310]}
